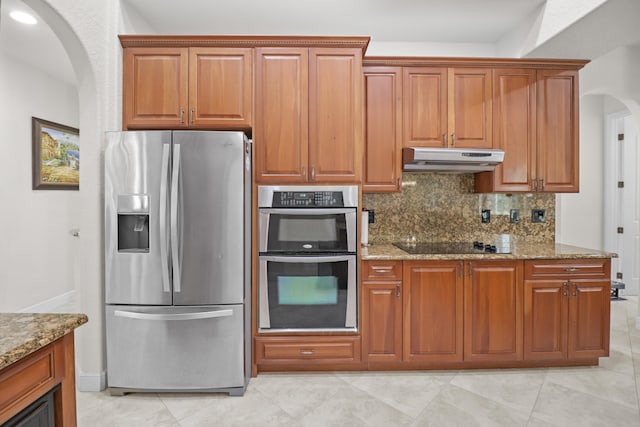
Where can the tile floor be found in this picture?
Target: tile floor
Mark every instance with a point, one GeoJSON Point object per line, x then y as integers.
{"type": "Point", "coordinates": [606, 395]}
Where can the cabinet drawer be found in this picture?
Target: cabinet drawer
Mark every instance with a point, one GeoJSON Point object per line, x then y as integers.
{"type": "Point", "coordinates": [574, 268]}
{"type": "Point", "coordinates": [29, 378]}
{"type": "Point", "coordinates": [333, 349]}
{"type": "Point", "coordinates": [382, 270]}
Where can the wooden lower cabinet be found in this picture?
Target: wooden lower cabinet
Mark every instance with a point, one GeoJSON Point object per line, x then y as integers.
{"type": "Point", "coordinates": [432, 315]}
{"type": "Point", "coordinates": [381, 324]}
{"type": "Point", "coordinates": [493, 311]}
{"type": "Point", "coordinates": [567, 309]}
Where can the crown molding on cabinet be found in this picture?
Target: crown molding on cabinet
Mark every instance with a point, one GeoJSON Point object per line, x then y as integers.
{"type": "Point", "coordinates": [536, 63]}
{"type": "Point", "coordinates": [359, 42]}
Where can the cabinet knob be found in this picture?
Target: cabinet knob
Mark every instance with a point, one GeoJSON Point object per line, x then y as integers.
{"type": "Point", "coordinates": [182, 116]}
{"type": "Point", "coordinates": [304, 171]}
{"type": "Point", "coordinates": [575, 290]}
{"type": "Point", "coordinates": [307, 352]}
{"type": "Point", "coordinates": [313, 173]}
{"type": "Point", "coordinates": [397, 291]}
{"type": "Point", "coordinates": [191, 116]}
{"type": "Point", "coordinates": [542, 184]}
{"type": "Point", "coordinates": [453, 139]}
{"type": "Point", "coordinates": [565, 289]}
{"type": "Point", "coordinates": [444, 139]}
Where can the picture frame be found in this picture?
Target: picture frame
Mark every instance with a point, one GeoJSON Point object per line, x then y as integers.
{"type": "Point", "coordinates": [55, 156]}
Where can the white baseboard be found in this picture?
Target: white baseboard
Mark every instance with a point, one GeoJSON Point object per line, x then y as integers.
{"type": "Point", "coordinates": [91, 382]}
{"type": "Point", "coordinates": [52, 304]}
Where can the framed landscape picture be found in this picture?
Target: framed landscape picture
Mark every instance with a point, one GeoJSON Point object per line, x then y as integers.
{"type": "Point", "coordinates": [55, 155]}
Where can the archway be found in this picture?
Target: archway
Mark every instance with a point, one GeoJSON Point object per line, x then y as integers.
{"type": "Point", "coordinates": [85, 61]}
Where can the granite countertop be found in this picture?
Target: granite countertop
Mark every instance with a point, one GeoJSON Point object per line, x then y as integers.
{"type": "Point", "coordinates": [23, 333]}
{"type": "Point", "coordinates": [519, 251]}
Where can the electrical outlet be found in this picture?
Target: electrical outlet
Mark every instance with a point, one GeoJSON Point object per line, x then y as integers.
{"type": "Point", "coordinates": [514, 216]}
{"type": "Point", "coordinates": [486, 216]}
{"type": "Point", "coordinates": [537, 215]}
{"type": "Point", "coordinates": [372, 216]}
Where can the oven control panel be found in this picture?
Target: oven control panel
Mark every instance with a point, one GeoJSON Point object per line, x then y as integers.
{"type": "Point", "coordinates": [307, 199]}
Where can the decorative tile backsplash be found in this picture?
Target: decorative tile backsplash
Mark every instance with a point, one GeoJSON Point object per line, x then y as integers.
{"type": "Point", "coordinates": [439, 207]}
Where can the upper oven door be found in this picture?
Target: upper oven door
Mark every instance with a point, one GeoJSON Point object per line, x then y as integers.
{"type": "Point", "coordinates": [307, 230]}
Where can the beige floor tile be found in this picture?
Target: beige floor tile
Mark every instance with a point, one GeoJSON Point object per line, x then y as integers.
{"type": "Point", "coordinates": [135, 410]}
{"type": "Point", "coordinates": [409, 392]}
{"type": "Point", "coordinates": [601, 383]}
{"type": "Point", "coordinates": [565, 407]}
{"type": "Point", "coordinates": [252, 409]}
{"type": "Point", "coordinates": [514, 388]}
{"type": "Point", "coordinates": [353, 407]}
{"type": "Point", "coordinates": [455, 406]}
{"type": "Point", "coordinates": [298, 394]}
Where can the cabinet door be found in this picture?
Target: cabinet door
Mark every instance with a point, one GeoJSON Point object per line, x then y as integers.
{"type": "Point", "coordinates": [382, 321]}
{"type": "Point", "coordinates": [589, 306]}
{"type": "Point", "coordinates": [382, 167]}
{"type": "Point", "coordinates": [493, 311]}
{"type": "Point", "coordinates": [154, 88]}
{"type": "Point", "coordinates": [557, 120]}
{"type": "Point", "coordinates": [432, 327]}
{"type": "Point", "coordinates": [281, 126]}
{"type": "Point", "coordinates": [220, 87]}
{"type": "Point", "coordinates": [514, 131]}
{"type": "Point", "coordinates": [335, 115]}
{"type": "Point", "coordinates": [545, 319]}
{"type": "Point", "coordinates": [425, 107]}
{"type": "Point", "coordinates": [469, 108]}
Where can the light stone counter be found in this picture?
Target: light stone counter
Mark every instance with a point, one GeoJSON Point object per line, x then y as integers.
{"type": "Point", "coordinates": [519, 251]}
{"type": "Point", "coordinates": [24, 333]}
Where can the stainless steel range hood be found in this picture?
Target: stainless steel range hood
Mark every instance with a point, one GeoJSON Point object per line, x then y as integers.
{"type": "Point", "coordinates": [460, 160]}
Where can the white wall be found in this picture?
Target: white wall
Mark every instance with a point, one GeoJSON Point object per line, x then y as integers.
{"type": "Point", "coordinates": [580, 216]}
{"type": "Point", "coordinates": [37, 251]}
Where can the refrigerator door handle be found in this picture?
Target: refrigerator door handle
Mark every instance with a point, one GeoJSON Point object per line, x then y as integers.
{"type": "Point", "coordinates": [164, 182]}
{"type": "Point", "coordinates": [173, 316]}
{"type": "Point", "coordinates": [174, 218]}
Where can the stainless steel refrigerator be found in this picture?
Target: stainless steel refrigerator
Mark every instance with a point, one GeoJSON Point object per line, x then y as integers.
{"type": "Point", "coordinates": [177, 261]}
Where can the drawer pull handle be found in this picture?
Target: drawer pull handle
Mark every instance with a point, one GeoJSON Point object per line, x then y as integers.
{"type": "Point", "coordinates": [382, 270]}
{"type": "Point", "coordinates": [571, 270]}
{"type": "Point", "coordinates": [307, 352]}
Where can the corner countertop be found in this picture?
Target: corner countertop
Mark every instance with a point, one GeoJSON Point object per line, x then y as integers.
{"type": "Point", "coordinates": [23, 333]}
{"type": "Point", "coordinates": [519, 251]}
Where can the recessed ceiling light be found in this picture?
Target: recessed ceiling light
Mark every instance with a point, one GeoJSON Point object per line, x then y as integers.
{"type": "Point", "coordinates": [23, 17]}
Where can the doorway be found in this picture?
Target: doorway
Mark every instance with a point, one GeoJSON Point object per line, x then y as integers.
{"type": "Point", "coordinates": [622, 210]}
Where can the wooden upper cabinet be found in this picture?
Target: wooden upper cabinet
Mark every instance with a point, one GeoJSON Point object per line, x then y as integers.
{"type": "Point", "coordinates": [514, 131]}
{"type": "Point", "coordinates": [493, 311]}
{"type": "Point", "coordinates": [220, 87]}
{"type": "Point", "coordinates": [470, 108]}
{"type": "Point", "coordinates": [308, 125]}
{"type": "Point", "coordinates": [155, 87]}
{"type": "Point", "coordinates": [557, 118]}
{"type": "Point", "coordinates": [335, 114]}
{"type": "Point", "coordinates": [447, 107]}
{"type": "Point", "coordinates": [281, 106]}
{"type": "Point", "coordinates": [536, 124]}
{"type": "Point", "coordinates": [382, 167]}
{"type": "Point", "coordinates": [425, 106]}
{"type": "Point", "coordinates": [174, 88]}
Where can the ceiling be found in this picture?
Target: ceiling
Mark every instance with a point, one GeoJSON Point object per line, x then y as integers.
{"type": "Point", "coordinates": [439, 21]}
{"type": "Point", "coordinates": [448, 22]}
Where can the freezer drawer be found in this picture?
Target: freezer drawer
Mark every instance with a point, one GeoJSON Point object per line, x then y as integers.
{"type": "Point", "coordinates": [175, 348]}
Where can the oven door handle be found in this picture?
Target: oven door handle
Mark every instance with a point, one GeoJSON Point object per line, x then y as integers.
{"type": "Point", "coordinates": [307, 212]}
{"type": "Point", "coordinates": [306, 259]}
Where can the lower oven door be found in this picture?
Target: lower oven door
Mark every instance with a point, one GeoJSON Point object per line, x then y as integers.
{"type": "Point", "coordinates": [316, 293]}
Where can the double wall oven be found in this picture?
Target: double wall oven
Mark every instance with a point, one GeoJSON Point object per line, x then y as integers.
{"type": "Point", "coordinates": [307, 258]}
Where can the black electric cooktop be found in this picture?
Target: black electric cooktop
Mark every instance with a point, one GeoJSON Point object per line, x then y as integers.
{"type": "Point", "coordinates": [451, 248]}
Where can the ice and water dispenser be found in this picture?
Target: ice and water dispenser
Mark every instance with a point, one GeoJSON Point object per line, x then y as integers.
{"type": "Point", "coordinates": [133, 223]}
